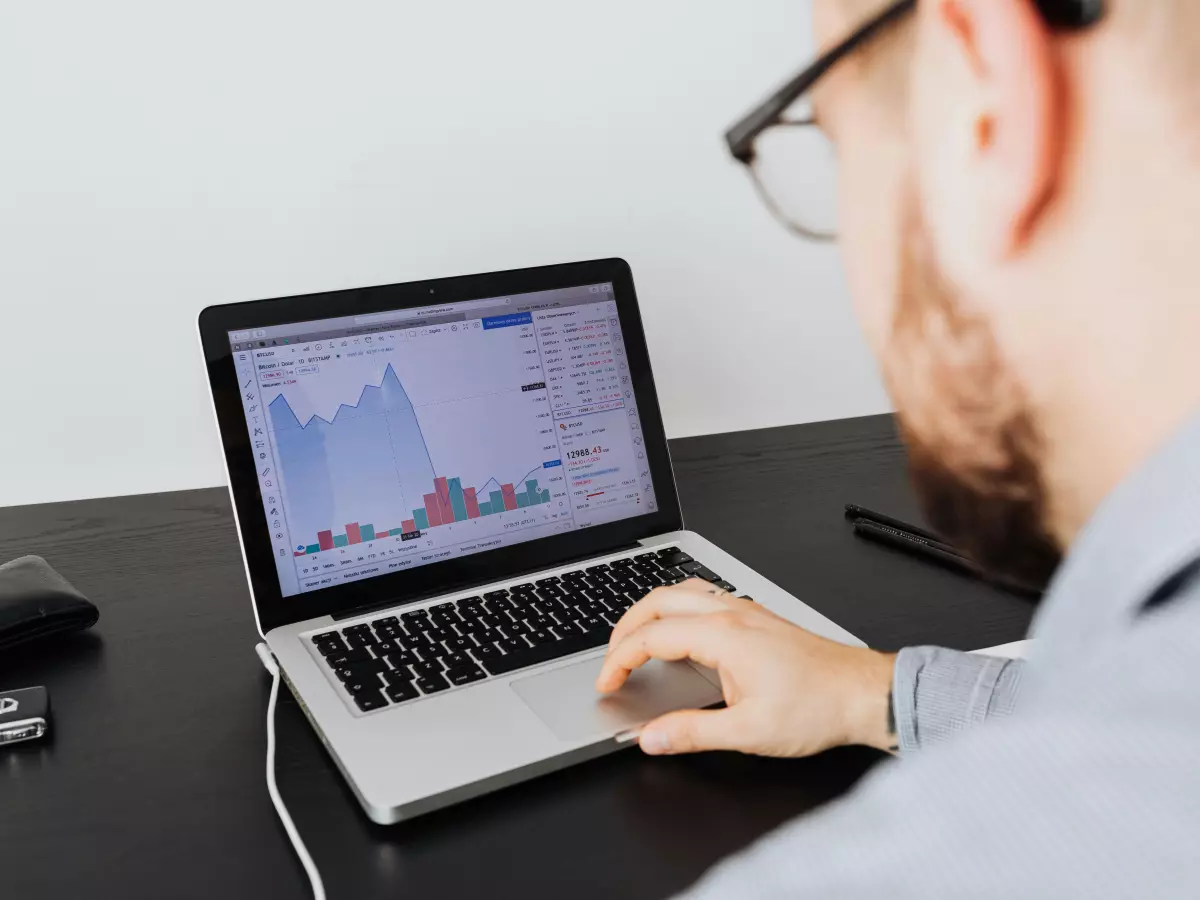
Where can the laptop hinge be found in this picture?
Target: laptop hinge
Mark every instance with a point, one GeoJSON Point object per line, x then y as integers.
{"type": "Point", "coordinates": [436, 592]}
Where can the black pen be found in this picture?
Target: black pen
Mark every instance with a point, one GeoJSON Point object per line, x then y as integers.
{"type": "Point", "coordinates": [915, 544]}
{"type": "Point", "coordinates": [854, 511]}
{"type": "Point", "coordinates": [944, 555]}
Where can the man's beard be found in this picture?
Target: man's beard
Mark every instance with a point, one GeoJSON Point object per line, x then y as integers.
{"type": "Point", "coordinates": [975, 450]}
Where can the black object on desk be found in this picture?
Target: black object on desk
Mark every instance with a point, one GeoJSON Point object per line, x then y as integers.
{"type": "Point", "coordinates": [925, 544]}
{"type": "Point", "coordinates": [36, 602]}
{"type": "Point", "coordinates": [162, 793]}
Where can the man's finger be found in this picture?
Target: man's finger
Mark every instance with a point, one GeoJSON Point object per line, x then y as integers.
{"type": "Point", "coordinates": [692, 597]}
{"type": "Point", "coordinates": [693, 730]}
{"type": "Point", "coordinates": [697, 638]}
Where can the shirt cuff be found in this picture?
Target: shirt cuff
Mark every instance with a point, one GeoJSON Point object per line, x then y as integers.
{"type": "Point", "coordinates": [937, 693]}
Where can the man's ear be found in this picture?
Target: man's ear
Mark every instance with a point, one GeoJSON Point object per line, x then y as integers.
{"type": "Point", "coordinates": [991, 128]}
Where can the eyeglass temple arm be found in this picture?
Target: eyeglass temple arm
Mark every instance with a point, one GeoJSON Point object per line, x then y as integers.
{"type": "Point", "coordinates": [741, 136]}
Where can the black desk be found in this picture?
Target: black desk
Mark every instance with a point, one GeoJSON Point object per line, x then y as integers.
{"type": "Point", "coordinates": [153, 783]}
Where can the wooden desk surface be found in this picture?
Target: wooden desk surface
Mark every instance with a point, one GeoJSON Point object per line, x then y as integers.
{"type": "Point", "coordinates": [152, 785]}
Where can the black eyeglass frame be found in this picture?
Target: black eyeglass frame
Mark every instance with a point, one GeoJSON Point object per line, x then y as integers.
{"type": "Point", "coordinates": [1067, 15]}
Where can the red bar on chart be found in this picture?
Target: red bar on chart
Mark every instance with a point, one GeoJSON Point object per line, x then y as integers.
{"type": "Point", "coordinates": [325, 539]}
{"type": "Point", "coordinates": [380, 534]}
{"type": "Point", "coordinates": [353, 535]}
{"type": "Point", "coordinates": [510, 496]}
{"type": "Point", "coordinates": [408, 526]}
{"type": "Point", "coordinates": [433, 510]}
{"type": "Point", "coordinates": [298, 553]}
{"type": "Point", "coordinates": [445, 511]}
{"type": "Point", "coordinates": [472, 503]}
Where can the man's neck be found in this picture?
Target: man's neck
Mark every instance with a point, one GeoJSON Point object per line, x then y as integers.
{"type": "Point", "coordinates": [1123, 408]}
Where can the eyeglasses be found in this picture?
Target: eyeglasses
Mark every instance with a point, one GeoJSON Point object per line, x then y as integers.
{"type": "Point", "coordinates": [792, 163]}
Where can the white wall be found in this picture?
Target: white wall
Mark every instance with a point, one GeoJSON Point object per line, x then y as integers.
{"type": "Point", "coordinates": [157, 157]}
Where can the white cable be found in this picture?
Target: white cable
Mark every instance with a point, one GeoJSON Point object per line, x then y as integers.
{"type": "Point", "coordinates": [318, 888]}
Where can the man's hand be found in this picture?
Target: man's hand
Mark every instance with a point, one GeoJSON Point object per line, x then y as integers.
{"type": "Point", "coordinates": [787, 691]}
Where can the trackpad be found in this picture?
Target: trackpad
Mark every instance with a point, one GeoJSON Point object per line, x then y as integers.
{"type": "Point", "coordinates": [567, 701]}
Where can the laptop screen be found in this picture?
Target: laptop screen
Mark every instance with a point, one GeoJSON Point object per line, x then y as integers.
{"type": "Point", "coordinates": [394, 440]}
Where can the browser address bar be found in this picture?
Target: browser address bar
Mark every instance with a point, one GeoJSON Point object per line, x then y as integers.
{"type": "Point", "coordinates": [429, 310]}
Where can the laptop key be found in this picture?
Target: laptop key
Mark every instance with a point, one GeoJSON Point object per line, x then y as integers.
{"type": "Point", "coordinates": [347, 658]}
{"type": "Point", "coordinates": [673, 557]}
{"type": "Point", "coordinates": [486, 651]}
{"type": "Point", "coordinates": [532, 656]}
{"type": "Point", "coordinates": [370, 700]}
{"type": "Point", "coordinates": [456, 660]}
{"type": "Point", "coordinates": [725, 586]}
{"type": "Point", "coordinates": [699, 570]}
{"type": "Point", "coordinates": [472, 627]}
{"type": "Point", "coordinates": [513, 645]}
{"type": "Point", "coordinates": [432, 650]}
{"type": "Point", "coordinates": [362, 685]}
{"type": "Point", "coordinates": [493, 596]}
{"type": "Point", "coordinates": [485, 638]}
{"type": "Point", "coordinates": [432, 684]}
{"type": "Point", "coordinates": [401, 691]}
{"type": "Point", "coordinates": [400, 661]}
{"type": "Point", "coordinates": [567, 616]}
{"type": "Point", "coordinates": [427, 669]}
{"type": "Point", "coordinates": [464, 674]}
{"type": "Point", "coordinates": [521, 588]}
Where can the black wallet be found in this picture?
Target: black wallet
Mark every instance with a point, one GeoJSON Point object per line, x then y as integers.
{"type": "Point", "coordinates": [35, 601]}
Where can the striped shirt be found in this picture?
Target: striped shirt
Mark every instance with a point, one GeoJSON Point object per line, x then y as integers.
{"type": "Point", "coordinates": [1074, 774]}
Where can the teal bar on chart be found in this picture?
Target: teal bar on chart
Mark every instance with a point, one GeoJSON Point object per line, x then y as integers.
{"type": "Point", "coordinates": [457, 502]}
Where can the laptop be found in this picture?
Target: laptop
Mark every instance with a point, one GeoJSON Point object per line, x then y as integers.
{"type": "Point", "coordinates": [447, 492]}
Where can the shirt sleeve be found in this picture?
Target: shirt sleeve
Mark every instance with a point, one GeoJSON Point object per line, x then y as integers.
{"type": "Point", "coordinates": [937, 693]}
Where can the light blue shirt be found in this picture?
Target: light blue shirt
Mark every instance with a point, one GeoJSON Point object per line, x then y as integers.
{"type": "Point", "coordinates": [1075, 774]}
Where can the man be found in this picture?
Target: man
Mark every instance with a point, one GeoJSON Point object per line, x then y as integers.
{"type": "Point", "coordinates": [1020, 193]}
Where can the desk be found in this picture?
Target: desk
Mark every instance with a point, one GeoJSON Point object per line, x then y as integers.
{"type": "Point", "coordinates": [152, 785]}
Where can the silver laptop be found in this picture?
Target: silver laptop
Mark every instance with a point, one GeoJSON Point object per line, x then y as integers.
{"type": "Point", "coordinates": [447, 493]}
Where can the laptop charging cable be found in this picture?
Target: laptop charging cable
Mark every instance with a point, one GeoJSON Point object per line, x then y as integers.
{"type": "Point", "coordinates": [269, 663]}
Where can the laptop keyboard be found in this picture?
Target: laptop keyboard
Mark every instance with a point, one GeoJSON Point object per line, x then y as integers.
{"type": "Point", "coordinates": [399, 658]}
